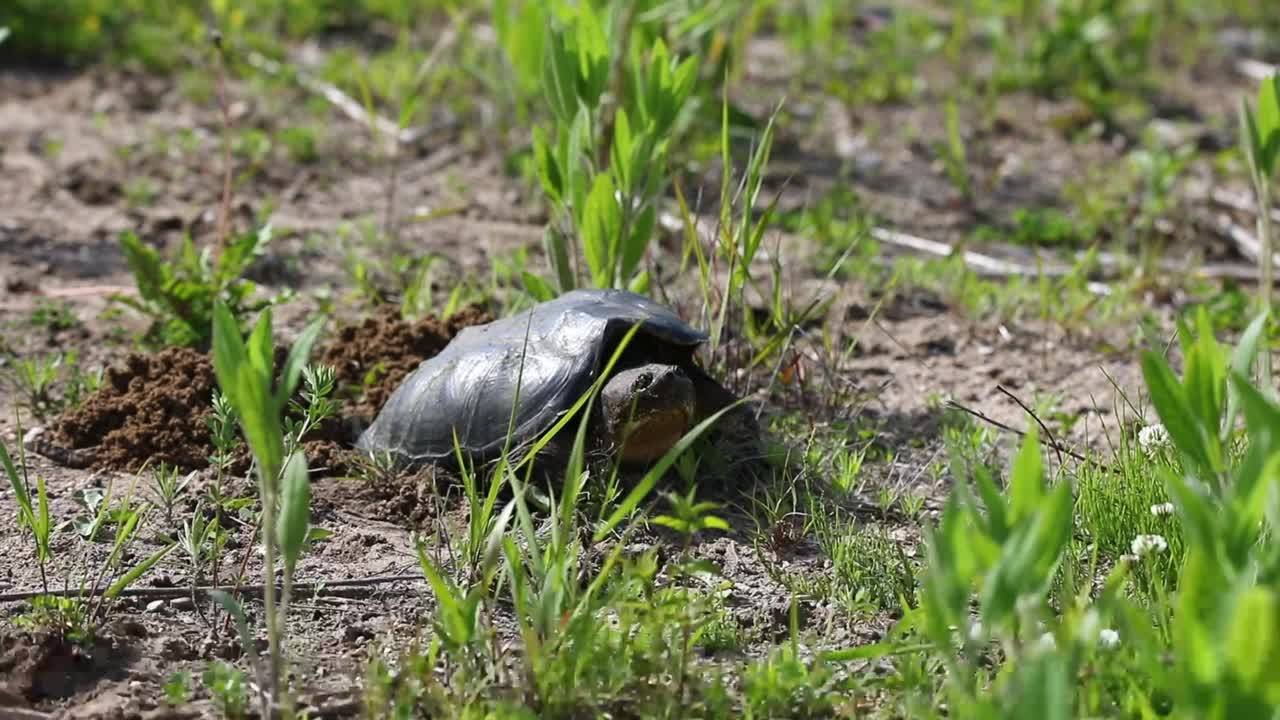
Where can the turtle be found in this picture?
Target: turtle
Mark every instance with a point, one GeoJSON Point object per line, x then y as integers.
{"type": "Point", "coordinates": [540, 362]}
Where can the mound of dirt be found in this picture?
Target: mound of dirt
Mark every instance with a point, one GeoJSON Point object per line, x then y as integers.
{"type": "Point", "coordinates": [156, 408]}
{"type": "Point", "coordinates": [151, 408]}
{"type": "Point", "coordinates": [384, 348]}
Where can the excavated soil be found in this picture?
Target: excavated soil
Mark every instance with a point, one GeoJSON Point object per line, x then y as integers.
{"type": "Point", "coordinates": [151, 409]}
{"type": "Point", "coordinates": [155, 409]}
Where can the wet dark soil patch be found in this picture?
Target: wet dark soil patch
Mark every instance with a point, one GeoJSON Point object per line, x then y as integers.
{"type": "Point", "coordinates": [373, 356]}
{"type": "Point", "coordinates": [43, 666]}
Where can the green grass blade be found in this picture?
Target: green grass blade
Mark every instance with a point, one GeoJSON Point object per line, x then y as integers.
{"type": "Point", "coordinates": [297, 360]}
{"type": "Point", "coordinates": [138, 571]}
{"type": "Point", "coordinates": [651, 478]}
{"type": "Point", "coordinates": [20, 489]}
{"type": "Point", "coordinates": [295, 510]}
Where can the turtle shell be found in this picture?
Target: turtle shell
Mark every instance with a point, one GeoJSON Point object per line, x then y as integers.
{"type": "Point", "coordinates": [472, 385]}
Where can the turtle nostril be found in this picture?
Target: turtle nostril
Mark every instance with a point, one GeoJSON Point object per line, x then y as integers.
{"type": "Point", "coordinates": [644, 381]}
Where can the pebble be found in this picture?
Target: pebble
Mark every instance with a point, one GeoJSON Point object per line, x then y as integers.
{"type": "Point", "coordinates": [155, 606]}
{"type": "Point", "coordinates": [182, 603]}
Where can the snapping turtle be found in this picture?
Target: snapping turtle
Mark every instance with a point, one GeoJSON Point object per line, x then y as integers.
{"type": "Point", "coordinates": [545, 359]}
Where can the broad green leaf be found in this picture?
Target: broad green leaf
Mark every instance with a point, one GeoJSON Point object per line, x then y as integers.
{"type": "Point", "coordinates": [600, 227]}
{"type": "Point", "coordinates": [1195, 510]}
{"type": "Point", "coordinates": [639, 283]}
{"type": "Point", "coordinates": [559, 76]}
{"type": "Point", "coordinates": [1262, 417]}
{"type": "Point", "coordinates": [548, 169]}
{"type": "Point", "coordinates": [537, 288]}
{"type": "Point", "coordinates": [260, 424]}
{"type": "Point", "coordinates": [446, 598]}
{"type": "Point", "coordinates": [1176, 412]}
{"type": "Point", "coordinates": [1242, 360]}
{"type": "Point", "coordinates": [1250, 141]}
{"type": "Point", "coordinates": [228, 352]}
{"type": "Point", "coordinates": [638, 241]}
{"type": "Point", "coordinates": [1268, 124]}
{"type": "Point", "coordinates": [1205, 380]}
{"type": "Point", "coordinates": [593, 55]}
{"type": "Point", "coordinates": [1253, 639]}
{"type": "Point", "coordinates": [295, 508]}
{"type": "Point", "coordinates": [1043, 689]}
{"type": "Point", "coordinates": [145, 264]}
{"type": "Point", "coordinates": [20, 489]}
{"type": "Point", "coordinates": [1026, 486]}
{"type": "Point", "coordinates": [997, 517]}
{"type": "Point", "coordinates": [1030, 556]}
{"type": "Point", "coordinates": [529, 42]}
{"type": "Point", "coordinates": [297, 360]}
{"type": "Point", "coordinates": [623, 151]}
{"type": "Point", "coordinates": [260, 352]}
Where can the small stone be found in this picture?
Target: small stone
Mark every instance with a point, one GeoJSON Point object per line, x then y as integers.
{"type": "Point", "coordinates": [155, 606]}
{"type": "Point", "coordinates": [182, 603]}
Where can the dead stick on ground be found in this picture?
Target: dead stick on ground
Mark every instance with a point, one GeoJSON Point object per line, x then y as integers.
{"type": "Point", "coordinates": [1256, 69]}
{"type": "Point", "coordinates": [1047, 432]}
{"type": "Point", "coordinates": [1022, 433]}
{"type": "Point", "coordinates": [1245, 242]}
{"type": "Point", "coordinates": [348, 105]}
{"type": "Point", "coordinates": [323, 588]}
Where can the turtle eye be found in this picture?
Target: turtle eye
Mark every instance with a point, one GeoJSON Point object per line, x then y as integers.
{"type": "Point", "coordinates": [644, 381]}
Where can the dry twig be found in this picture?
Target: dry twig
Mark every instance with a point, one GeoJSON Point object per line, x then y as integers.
{"type": "Point", "coordinates": [1022, 433]}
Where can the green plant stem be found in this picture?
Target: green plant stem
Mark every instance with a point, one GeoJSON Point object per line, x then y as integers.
{"type": "Point", "coordinates": [268, 586]}
{"type": "Point", "coordinates": [1268, 275]}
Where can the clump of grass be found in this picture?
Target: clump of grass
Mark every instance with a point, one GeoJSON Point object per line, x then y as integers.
{"type": "Point", "coordinates": [77, 616]}
{"type": "Point", "coordinates": [51, 384]}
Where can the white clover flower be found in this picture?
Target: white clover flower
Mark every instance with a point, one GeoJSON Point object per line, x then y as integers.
{"type": "Point", "coordinates": [1162, 509]}
{"type": "Point", "coordinates": [1144, 544]}
{"type": "Point", "coordinates": [1153, 438]}
{"type": "Point", "coordinates": [1108, 638]}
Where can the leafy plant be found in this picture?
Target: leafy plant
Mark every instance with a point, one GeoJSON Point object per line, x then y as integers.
{"type": "Point", "coordinates": [180, 293]}
{"type": "Point", "coordinates": [599, 165]}
{"type": "Point", "coordinates": [167, 486]}
{"type": "Point", "coordinates": [244, 369]}
{"type": "Point", "coordinates": [226, 684]}
{"type": "Point", "coordinates": [53, 383]}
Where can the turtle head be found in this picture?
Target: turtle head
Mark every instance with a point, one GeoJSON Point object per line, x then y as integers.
{"type": "Point", "coordinates": [647, 409]}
